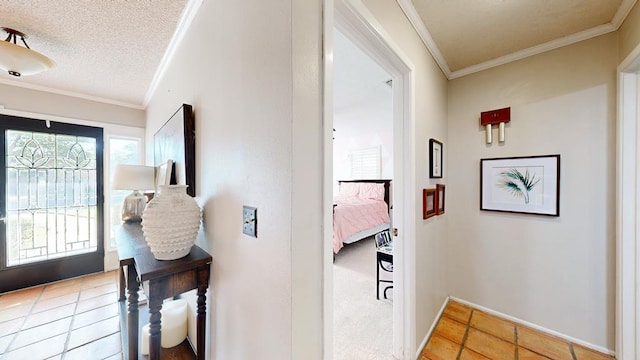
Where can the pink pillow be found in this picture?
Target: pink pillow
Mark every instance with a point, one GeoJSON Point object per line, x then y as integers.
{"type": "Point", "coordinates": [372, 191]}
{"type": "Point", "coordinates": [349, 189]}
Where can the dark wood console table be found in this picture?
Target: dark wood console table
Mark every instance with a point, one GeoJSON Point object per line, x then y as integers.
{"type": "Point", "coordinates": [160, 280]}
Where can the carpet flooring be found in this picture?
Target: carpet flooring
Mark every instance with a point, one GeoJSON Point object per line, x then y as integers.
{"type": "Point", "coordinates": [363, 326]}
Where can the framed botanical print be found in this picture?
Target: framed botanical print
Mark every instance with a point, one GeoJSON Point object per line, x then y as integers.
{"type": "Point", "coordinates": [526, 184]}
{"type": "Point", "coordinates": [435, 159]}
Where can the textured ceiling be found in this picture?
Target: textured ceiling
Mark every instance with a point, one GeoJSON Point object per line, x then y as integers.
{"type": "Point", "coordinates": [111, 49]}
{"type": "Point", "coordinates": [107, 49]}
{"type": "Point", "coordinates": [470, 32]}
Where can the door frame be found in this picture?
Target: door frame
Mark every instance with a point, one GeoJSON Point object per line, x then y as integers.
{"type": "Point", "coordinates": [110, 129]}
{"type": "Point", "coordinates": [358, 24]}
{"type": "Point", "coordinates": [628, 212]}
{"type": "Point", "coordinates": [58, 268]}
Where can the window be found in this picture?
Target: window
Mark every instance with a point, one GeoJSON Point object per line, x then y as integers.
{"type": "Point", "coordinates": [121, 151]}
{"type": "Point", "coordinates": [365, 163]}
{"type": "Point", "coordinates": [51, 187]}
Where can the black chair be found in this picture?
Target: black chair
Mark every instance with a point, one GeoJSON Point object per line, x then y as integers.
{"type": "Point", "coordinates": [384, 260]}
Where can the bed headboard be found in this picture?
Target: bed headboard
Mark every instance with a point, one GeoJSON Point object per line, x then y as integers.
{"type": "Point", "coordinates": [387, 187]}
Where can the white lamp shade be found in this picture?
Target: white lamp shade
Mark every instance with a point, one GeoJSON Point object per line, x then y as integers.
{"type": "Point", "coordinates": [133, 177]}
{"type": "Point", "coordinates": [21, 60]}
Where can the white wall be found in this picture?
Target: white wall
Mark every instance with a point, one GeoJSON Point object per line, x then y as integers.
{"type": "Point", "coordinates": [28, 100]}
{"type": "Point", "coordinates": [251, 71]}
{"type": "Point", "coordinates": [430, 121]}
{"type": "Point", "coordinates": [362, 108]}
{"type": "Point", "coordinates": [356, 133]}
{"type": "Point", "coordinates": [558, 273]}
{"type": "Point", "coordinates": [629, 33]}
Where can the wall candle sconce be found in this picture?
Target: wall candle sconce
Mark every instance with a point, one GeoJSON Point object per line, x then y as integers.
{"type": "Point", "coordinates": [489, 118]}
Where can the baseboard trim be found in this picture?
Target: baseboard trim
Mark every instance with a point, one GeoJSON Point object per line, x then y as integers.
{"type": "Point", "coordinates": [433, 326]}
{"type": "Point", "coordinates": [535, 327]}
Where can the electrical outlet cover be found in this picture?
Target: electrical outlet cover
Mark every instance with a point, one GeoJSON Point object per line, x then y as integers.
{"type": "Point", "coordinates": [250, 221]}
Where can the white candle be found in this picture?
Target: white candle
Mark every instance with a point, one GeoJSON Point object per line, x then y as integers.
{"type": "Point", "coordinates": [174, 322]}
{"type": "Point", "coordinates": [488, 135]}
{"type": "Point", "coordinates": [173, 325]}
{"type": "Point", "coordinates": [144, 342]}
{"type": "Point", "coordinates": [501, 132]}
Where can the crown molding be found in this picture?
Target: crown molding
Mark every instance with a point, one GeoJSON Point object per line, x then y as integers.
{"type": "Point", "coordinates": [413, 16]}
{"type": "Point", "coordinates": [190, 12]}
{"type": "Point", "coordinates": [535, 50]}
{"type": "Point", "coordinates": [71, 94]}
{"type": "Point", "coordinates": [622, 13]}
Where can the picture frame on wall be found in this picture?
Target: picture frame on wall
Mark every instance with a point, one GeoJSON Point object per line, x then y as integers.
{"type": "Point", "coordinates": [440, 199]}
{"type": "Point", "coordinates": [525, 184]}
{"type": "Point", "coordinates": [428, 203]}
{"type": "Point", "coordinates": [176, 140]}
{"type": "Point", "coordinates": [435, 159]}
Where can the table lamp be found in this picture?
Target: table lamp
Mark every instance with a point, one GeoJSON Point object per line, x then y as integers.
{"type": "Point", "coordinates": [136, 178]}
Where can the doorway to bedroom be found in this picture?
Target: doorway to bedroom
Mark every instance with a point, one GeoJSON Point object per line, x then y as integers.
{"type": "Point", "coordinates": [363, 169]}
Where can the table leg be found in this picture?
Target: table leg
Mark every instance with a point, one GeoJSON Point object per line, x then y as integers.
{"type": "Point", "coordinates": [377, 276]}
{"type": "Point", "coordinates": [132, 317]}
{"type": "Point", "coordinates": [121, 284]}
{"type": "Point", "coordinates": [385, 291]}
{"type": "Point", "coordinates": [201, 317]}
{"type": "Point", "coordinates": [155, 305]}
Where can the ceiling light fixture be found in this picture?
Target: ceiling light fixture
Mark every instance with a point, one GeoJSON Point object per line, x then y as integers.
{"type": "Point", "coordinates": [18, 60]}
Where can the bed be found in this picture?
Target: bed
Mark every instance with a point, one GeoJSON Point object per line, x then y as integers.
{"type": "Point", "coordinates": [360, 209]}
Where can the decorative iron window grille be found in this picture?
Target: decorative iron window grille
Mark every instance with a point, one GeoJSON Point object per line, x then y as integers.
{"type": "Point", "coordinates": [51, 196]}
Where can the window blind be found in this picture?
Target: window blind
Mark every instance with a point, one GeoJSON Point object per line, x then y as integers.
{"type": "Point", "coordinates": [365, 163]}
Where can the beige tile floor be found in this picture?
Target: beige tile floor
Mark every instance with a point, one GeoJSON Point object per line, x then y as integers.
{"type": "Point", "coordinates": [78, 319]}
{"type": "Point", "coordinates": [465, 333]}
{"type": "Point", "coordinates": [74, 319]}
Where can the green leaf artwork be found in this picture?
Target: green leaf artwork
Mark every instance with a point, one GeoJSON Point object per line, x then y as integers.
{"type": "Point", "coordinates": [518, 184]}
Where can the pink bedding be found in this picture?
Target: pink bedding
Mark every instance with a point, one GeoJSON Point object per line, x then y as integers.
{"type": "Point", "coordinates": [354, 214]}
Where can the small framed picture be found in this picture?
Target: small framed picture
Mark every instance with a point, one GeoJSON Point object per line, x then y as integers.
{"type": "Point", "coordinates": [435, 159]}
{"type": "Point", "coordinates": [428, 203]}
{"type": "Point", "coordinates": [163, 174]}
{"type": "Point", "coordinates": [440, 199]}
{"type": "Point", "coordinates": [525, 184]}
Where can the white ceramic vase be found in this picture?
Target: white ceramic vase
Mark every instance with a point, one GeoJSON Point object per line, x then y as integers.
{"type": "Point", "coordinates": [170, 222]}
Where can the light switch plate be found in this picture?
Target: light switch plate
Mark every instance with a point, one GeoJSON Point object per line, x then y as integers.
{"type": "Point", "coordinates": [250, 221]}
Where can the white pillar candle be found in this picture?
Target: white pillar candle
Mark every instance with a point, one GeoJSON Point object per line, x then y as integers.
{"type": "Point", "coordinates": [174, 323]}
{"type": "Point", "coordinates": [501, 132]}
{"type": "Point", "coordinates": [144, 341]}
{"type": "Point", "coordinates": [173, 326]}
{"type": "Point", "coordinates": [487, 133]}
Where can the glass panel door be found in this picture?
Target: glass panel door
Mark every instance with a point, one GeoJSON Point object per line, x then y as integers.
{"type": "Point", "coordinates": [52, 204]}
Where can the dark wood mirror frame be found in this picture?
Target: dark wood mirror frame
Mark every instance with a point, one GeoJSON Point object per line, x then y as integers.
{"type": "Point", "coordinates": [176, 140]}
